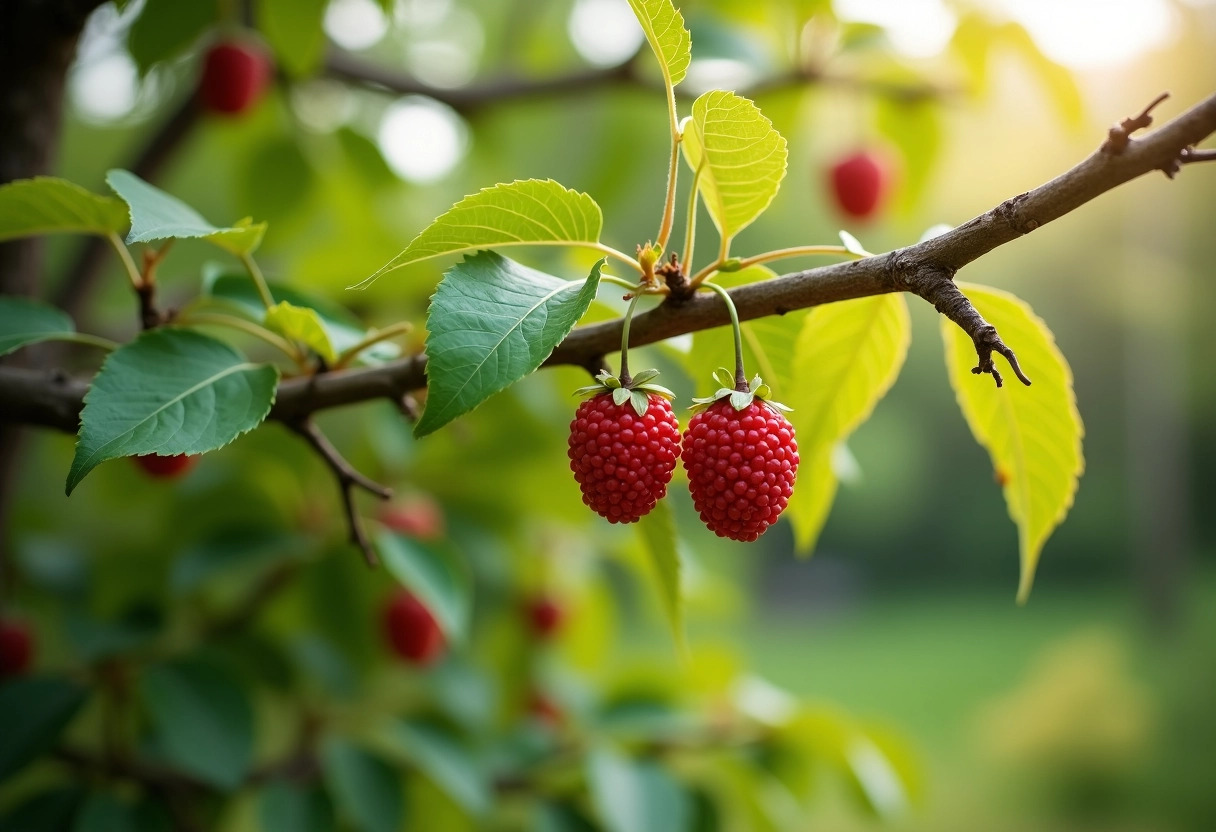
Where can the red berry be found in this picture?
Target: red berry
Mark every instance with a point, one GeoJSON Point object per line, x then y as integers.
{"type": "Point", "coordinates": [165, 467]}
{"type": "Point", "coordinates": [545, 710]}
{"type": "Point", "coordinates": [859, 183]}
{"type": "Point", "coordinates": [741, 466]}
{"type": "Point", "coordinates": [16, 648]}
{"type": "Point", "coordinates": [234, 77]}
{"type": "Point", "coordinates": [546, 616]}
{"type": "Point", "coordinates": [411, 629]}
{"type": "Point", "coordinates": [416, 516]}
{"type": "Point", "coordinates": [623, 461]}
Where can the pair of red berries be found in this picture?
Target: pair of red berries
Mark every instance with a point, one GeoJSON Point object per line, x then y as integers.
{"type": "Point", "coordinates": [739, 451]}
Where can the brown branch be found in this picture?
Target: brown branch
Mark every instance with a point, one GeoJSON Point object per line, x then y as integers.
{"type": "Point", "coordinates": [926, 269]}
{"type": "Point", "coordinates": [348, 480]}
{"type": "Point", "coordinates": [469, 99]}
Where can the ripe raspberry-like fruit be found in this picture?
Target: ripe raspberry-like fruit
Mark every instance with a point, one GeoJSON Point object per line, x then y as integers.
{"type": "Point", "coordinates": [545, 615]}
{"type": "Point", "coordinates": [165, 467]}
{"type": "Point", "coordinates": [417, 516]}
{"type": "Point", "coordinates": [623, 447]}
{"type": "Point", "coordinates": [741, 463]}
{"type": "Point", "coordinates": [859, 183]}
{"type": "Point", "coordinates": [234, 77]}
{"type": "Point", "coordinates": [16, 648]}
{"type": "Point", "coordinates": [412, 630]}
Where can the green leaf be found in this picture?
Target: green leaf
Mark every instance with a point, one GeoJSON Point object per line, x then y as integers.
{"type": "Point", "coordinates": [847, 356]}
{"type": "Point", "coordinates": [156, 215]}
{"type": "Point", "coordinates": [226, 550]}
{"type": "Point", "coordinates": [493, 321]}
{"type": "Point", "coordinates": [741, 155]}
{"type": "Point", "coordinates": [344, 329]}
{"type": "Point", "coordinates": [1033, 434]}
{"type": "Point", "coordinates": [448, 765]}
{"type": "Point", "coordinates": [103, 812]}
{"type": "Point", "coordinates": [25, 321]}
{"type": "Point", "coordinates": [630, 796]}
{"type": "Point", "coordinates": [658, 532]}
{"type": "Point", "coordinates": [434, 573]}
{"type": "Point", "coordinates": [293, 29]}
{"type": "Point", "coordinates": [289, 807]}
{"type": "Point", "coordinates": [299, 323]}
{"type": "Point", "coordinates": [1057, 82]}
{"type": "Point", "coordinates": [525, 212]}
{"type": "Point", "coordinates": [46, 705]}
{"type": "Point", "coordinates": [667, 36]}
{"type": "Point", "coordinates": [366, 788]}
{"type": "Point", "coordinates": [167, 28]}
{"type": "Point", "coordinates": [45, 205]}
{"type": "Point", "coordinates": [170, 391]}
{"type": "Point", "coordinates": [203, 720]}
{"type": "Point", "coordinates": [50, 811]}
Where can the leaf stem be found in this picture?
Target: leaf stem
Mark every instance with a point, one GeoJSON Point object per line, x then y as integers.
{"type": "Point", "coordinates": [624, 376]}
{"type": "Point", "coordinates": [690, 228]}
{"type": "Point", "coordinates": [124, 254]}
{"type": "Point", "coordinates": [740, 372]}
{"type": "Point", "coordinates": [248, 327]}
{"type": "Point", "coordinates": [797, 251]}
{"type": "Point", "coordinates": [617, 281]}
{"type": "Point", "coordinates": [373, 338]}
{"type": "Point", "coordinates": [673, 168]}
{"type": "Point", "coordinates": [259, 280]}
{"type": "Point", "coordinates": [90, 340]}
{"type": "Point", "coordinates": [618, 255]}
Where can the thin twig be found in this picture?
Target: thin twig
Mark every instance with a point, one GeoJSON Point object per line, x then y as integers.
{"type": "Point", "coordinates": [1120, 135]}
{"type": "Point", "coordinates": [348, 480]}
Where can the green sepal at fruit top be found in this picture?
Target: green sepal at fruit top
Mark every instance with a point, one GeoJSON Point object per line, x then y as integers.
{"type": "Point", "coordinates": [634, 390]}
{"type": "Point", "coordinates": [757, 390]}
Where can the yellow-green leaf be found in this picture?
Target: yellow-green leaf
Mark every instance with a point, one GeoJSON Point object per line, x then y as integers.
{"type": "Point", "coordinates": [665, 31]}
{"type": "Point", "coordinates": [741, 156]}
{"type": "Point", "coordinates": [299, 323]}
{"type": "Point", "coordinates": [45, 205]}
{"type": "Point", "coordinates": [1033, 434]}
{"type": "Point", "coordinates": [846, 358]}
{"type": "Point", "coordinates": [530, 212]}
{"type": "Point", "coordinates": [658, 532]}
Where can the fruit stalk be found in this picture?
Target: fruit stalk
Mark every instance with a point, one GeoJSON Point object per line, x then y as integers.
{"type": "Point", "coordinates": [740, 373]}
{"type": "Point", "coordinates": [625, 378]}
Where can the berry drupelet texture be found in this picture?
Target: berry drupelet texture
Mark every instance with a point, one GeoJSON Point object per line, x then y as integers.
{"type": "Point", "coordinates": [623, 461]}
{"type": "Point", "coordinates": [741, 467]}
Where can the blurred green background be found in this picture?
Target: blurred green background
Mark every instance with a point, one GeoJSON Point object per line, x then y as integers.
{"type": "Point", "coordinates": [1089, 708]}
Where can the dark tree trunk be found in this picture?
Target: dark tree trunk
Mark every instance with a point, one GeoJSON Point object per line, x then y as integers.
{"type": "Point", "coordinates": [37, 43]}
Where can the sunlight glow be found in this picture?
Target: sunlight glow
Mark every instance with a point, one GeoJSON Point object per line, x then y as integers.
{"type": "Point", "coordinates": [1085, 34]}
{"type": "Point", "coordinates": [917, 28]}
{"type": "Point", "coordinates": [355, 24]}
{"type": "Point", "coordinates": [106, 88]}
{"type": "Point", "coordinates": [604, 32]}
{"type": "Point", "coordinates": [422, 139]}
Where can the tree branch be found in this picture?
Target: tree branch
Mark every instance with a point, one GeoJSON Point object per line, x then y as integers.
{"type": "Point", "coordinates": [474, 97]}
{"type": "Point", "coordinates": [926, 269]}
{"type": "Point", "coordinates": [348, 480]}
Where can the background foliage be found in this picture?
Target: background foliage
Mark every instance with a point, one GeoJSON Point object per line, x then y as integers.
{"type": "Point", "coordinates": [1072, 713]}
